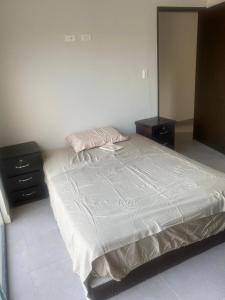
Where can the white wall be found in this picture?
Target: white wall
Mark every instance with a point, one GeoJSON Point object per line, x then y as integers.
{"type": "Point", "coordinates": [213, 2]}
{"type": "Point", "coordinates": [49, 88]}
{"type": "Point", "coordinates": [177, 64]}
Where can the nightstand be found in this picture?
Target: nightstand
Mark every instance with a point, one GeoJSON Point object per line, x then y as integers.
{"type": "Point", "coordinates": [158, 129]}
{"type": "Point", "coordinates": [22, 173]}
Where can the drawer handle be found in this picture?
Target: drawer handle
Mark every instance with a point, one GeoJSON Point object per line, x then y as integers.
{"type": "Point", "coordinates": [28, 194]}
{"type": "Point", "coordinates": [22, 166]}
{"type": "Point", "coordinates": [163, 132]}
{"type": "Point", "coordinates": [25, 180]}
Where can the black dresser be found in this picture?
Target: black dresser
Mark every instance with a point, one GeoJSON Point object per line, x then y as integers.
{"type": "Point", "coordinates": [161, 130]}
{"type": "Point", "coordinates": [22, 173]}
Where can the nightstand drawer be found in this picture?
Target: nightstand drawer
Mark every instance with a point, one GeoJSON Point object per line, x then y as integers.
{"type": "Point", "coordinates": [145, 131]}
{"type": "Point", "coordinates": [25, 181]}
{"type": "Point", "coordinates": [162, 131]}
{"type": "Point", "coordinates": [28, 195]}
{"type": "Point", "coordinates": [22, 165]}
{"type": "Point", "coordinates": [166, 142]}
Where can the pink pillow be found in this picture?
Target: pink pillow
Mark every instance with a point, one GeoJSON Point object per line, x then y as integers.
{"type": "Point", "coordinates": [94, 138]}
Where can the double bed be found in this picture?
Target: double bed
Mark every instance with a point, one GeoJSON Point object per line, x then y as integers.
{"type": "Point", "coordinates": [117, 211]}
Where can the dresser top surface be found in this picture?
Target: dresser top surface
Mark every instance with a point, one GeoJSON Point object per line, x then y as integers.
{"type": "Point", "coordinates": [19, 150]}
{"type": "Point", "coordinates": [156, 121]}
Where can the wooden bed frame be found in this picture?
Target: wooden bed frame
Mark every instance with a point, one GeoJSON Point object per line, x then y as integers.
{"type": "Point", "coordinates": [154, 267]}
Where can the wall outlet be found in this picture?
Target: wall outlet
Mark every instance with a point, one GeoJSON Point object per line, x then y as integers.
{"type": "Point", "coordinates": [69, 38]}
{"type": "Point", "coordinates": [85, 37]}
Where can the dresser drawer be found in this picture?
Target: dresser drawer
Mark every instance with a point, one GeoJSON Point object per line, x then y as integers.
{"type": "Point", "coordinates": [25, 181]}
{"type": "Point", "coordinates": [28, 195]}
{"type": "Point", "coordinates": [22, 165]}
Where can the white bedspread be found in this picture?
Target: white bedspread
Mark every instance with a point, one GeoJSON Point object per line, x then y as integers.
{"type": "Point", "coordinates": [104, 201]}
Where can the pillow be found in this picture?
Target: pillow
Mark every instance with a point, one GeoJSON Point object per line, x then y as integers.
{"type": "Point", "coordinates": [94, 138]}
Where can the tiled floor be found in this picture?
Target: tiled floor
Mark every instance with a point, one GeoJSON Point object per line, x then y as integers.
{"type": "Point", "coordinates": [199, 152]}
{"type": "Point", "coordinates": [40, 267]}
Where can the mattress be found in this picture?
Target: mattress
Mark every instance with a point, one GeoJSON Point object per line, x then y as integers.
{"type": "Point", "coordinates": [116, 211]}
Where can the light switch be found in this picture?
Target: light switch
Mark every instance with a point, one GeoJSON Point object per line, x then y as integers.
{"type": "Point", "coordinates": [145, 74]}
{"type": "Point", "coordinates": [85, 37]}
{"type": "Point", "coordinates": [69, 38]}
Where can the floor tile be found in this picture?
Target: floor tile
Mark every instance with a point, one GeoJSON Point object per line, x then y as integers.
{"type": "Point", "coordinates": [17, 256]}
{"type": "Point", "coordinates": [14, 231]}
{"type": "Point", "coordinates": [152, 289]}
{"type": "Point", "coordinates": [45, 249]}
{"type": "Point", "coordinates": [20, 283]}
{"type": "Point", "coordinates": [198, 278]}
{"type": "Point", "coordinates": [31, 219]}
{"type": "Point", "coordinates": [57, 282]}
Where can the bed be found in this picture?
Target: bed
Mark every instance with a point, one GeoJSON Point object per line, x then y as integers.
{"type": "Point", "coordinates": [119, 211]}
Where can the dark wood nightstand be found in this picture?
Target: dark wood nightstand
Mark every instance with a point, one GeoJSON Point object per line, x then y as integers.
{"type": "Point", "coordinates": [22, 173]}
{"type": "Point", "coordinates": [158, 129]}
